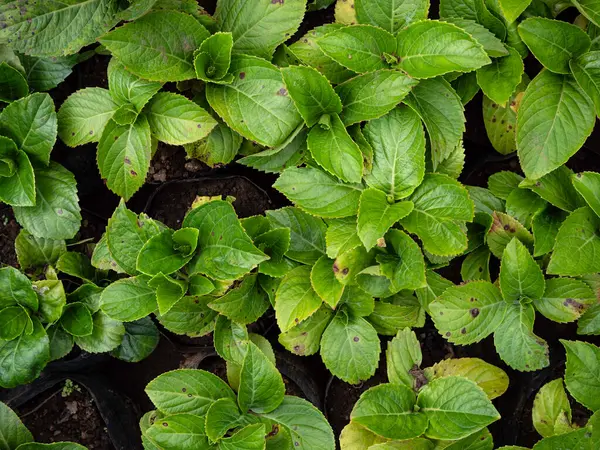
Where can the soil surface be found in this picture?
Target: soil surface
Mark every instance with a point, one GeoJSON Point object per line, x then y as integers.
{"type": "Point", "coordinates": [66, 415]}
{"type": "Point", "coordinates": [9, 229]}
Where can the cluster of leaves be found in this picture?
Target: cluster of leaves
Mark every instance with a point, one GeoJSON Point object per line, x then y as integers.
{"type": "Point", "coordinates": [15, 436]}
{"type": "Point", "coordinates": [447, 405]}
{"type": "Point", "coordinates": [196, 409]}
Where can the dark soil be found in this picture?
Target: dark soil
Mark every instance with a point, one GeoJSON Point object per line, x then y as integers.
{"type": "Point", "coordinates": [9, 229]}
{"type": "Point", "coordinates": [66, 416]}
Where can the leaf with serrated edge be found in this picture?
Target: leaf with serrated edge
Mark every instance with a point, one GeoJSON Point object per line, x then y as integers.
{"type": "Point", "coordinates": [468, 313]}
{"type": "Point", "coordinates": [376, 215]}
{"type": "Point", "coordinates": [305, 338]}
{"type": "Point", "coordinates": [587, 185]}
{"type": "Point", "coordinates": [516, 343]}
{"type": "Point", "coordinates": [390, 15]}
{"type": "Point", "coordinates": [403, 355]}
{"type": "Point", "coordinates": [582, 373]}
{"type": "Point", "coordinates": [244, 304]}
{"type": "Point", "coordinates": [256, 104]}
{"type": "Point", "coordinates": [405, 266]}
{"type": "Point", "coordinates": [551, 411]}
{"type": "Point", "coordinates": [158, 46]}
{"type": "Point", "coordinates": [430, 48]}
{"type": "Point", "coordinates": [499, 79]}
{"type": "Point", "coordinates": [107, 334]}
{"type": "Point", "coordinates": [389, 411]}
{"type": "Point", "coordinates": [512, 9]}
{"type": "Point", "coordinates": [493, 380]}
{"type": "Point", "coordinates": [126, 87]}
{"type": "Point", "coordinates": [577, 245]}
{"type": "Point", "coordinates": [325, 283]}
{"type": "Point", "coordinates": [442, 112]}
{"type": "Point", "coordinates": [350, 348]}
{"type": "Point", "coordinates": [491, 44]}
{"type": "Point", "coordinates": [184, 431]}
{"type": "Point", "coordinates": [357, 437]}
{"type": "Point", "coordinates": [295, 299]}
{"type": "Point", "coordinates": [520, 275]}
{"type": "Point", "coordinates": [398, 142]}
{"type": "Point", "coordinates": [456, 407]}
{"type": "Point", "coordinates": [548, 137]}
{"type": "Point", "coordinates": [12, 431]}
{"type": "Point", "coordinates": [504, 228]}
{"type": "Point", "coordinates": [565, 299]}
{"type": "Point", "coordinates": [128, 299]}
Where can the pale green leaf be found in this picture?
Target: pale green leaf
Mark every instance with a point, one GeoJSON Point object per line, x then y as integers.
{"type": "Point", "coordinates": [520, 275]}
{"type": "Point", "coordinates": [128, 299]}
{"type": "Point", "coordinates": [305, 338]}
{"type": "Point", "coordinates": [295, 300]}
{"type": "Point", "coordinates": [126, 87]}
{"type": "Point", "coordinates": [587, 185]}
{"type": "Point", "coordinates": [404, 358]}
{"type": "Point", "coordinates": [565, 299]}
{"type": "Point", "coordinates": [504, 228]}
{"type": "Point", "coordinates": [512, 9]}
{"type": "Point", "coordinates": [551, 411]}
{"type": "Point", "coordinates": [585, 69]}
{"type": "Point", "coordinates": [325, 283]}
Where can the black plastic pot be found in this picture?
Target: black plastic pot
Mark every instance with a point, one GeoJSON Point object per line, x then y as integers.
{"type": "Point", "coordinates": [118, 413]}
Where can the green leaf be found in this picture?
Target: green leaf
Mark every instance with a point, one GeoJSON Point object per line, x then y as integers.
{"type": "Point", "coordinates": [590, 9]}
{"type": "Point", "coordinates": [77, 265]}
{"type": "Point", "coordinates": [128, 299]}
{"type": "Point", "coordinates": [126, 234]}
{"type": "Point", "coordinates": [227, 251]}
{"type": "Point", "coordinates": [190, 316]}
{"type": "Point", "coordinates": [32, 124]}
{"type": "Point", "coordinates": [176, 120]}
{"type": "Point", "coordinates": [551, 411]}
{"type": "Point", "coordinates": [520, 275]}
{"type": "Point", "coordinates": [581, 373]}
{"type": "Point", "coordinates": [127, 88]}
{"type": "Point", "coordinates": [360, 48]}
{"type": "Point", "coordinates": [388, 411]}
{"type": "Point", "coordinates": [187, 391]}
{"type": "Point", "coordinates": [214, 57]}
{"type": "Point", "coordinates": [577, 245]}
{"type": "Point", "coordinates": [502, 183]}
{"type": "Point", "coordinates": [12, 431]}
{"type": "Point", "coordinates": [405, 265]}
{"type": "Point", "coordinates": [76, 319]}
{"type": "Point", "coordinates": [554, 42]}
{"type": "Point", "coordinates": [556, 188]}
{"type": "Point", "coordinates": [43, 74]}
{"type": "Point", "coordinates": [256, 104]}
{"type": "Point", "coordinates": [261, 386]}
{"type": "Point", "coordinates": [499, 79]}
{"type": "Point", "coordinates": [53, 446]}
{"type": "Point", "coordinates": [259, 27]}
{"type": "Point", "coordinates": [332, 148]}
{"type": "Point", "coordinates": [587, 185]}
{"type": "Point", "coordinates": [84, 115]}
{"type": "Point", "coordinates": [167, 251]}
{"type": "Point", "coordinates": [376, 215]}
{"type": "Point", "coordinates": [305, 338]}
{"type": "Point", "coordinates": [279, 158]}
{"type": "Point", "coordinates": [548, 137]}
{"type": "Point", "coordinates": [476, 265]}
{"type": "Point", "coordinates": [124, 153]}
{"type": "Point", "coordinates": [523, 204]}
{"type": "Point", "coordinates": [56, 214]}
{"type": "Point", "coordinates": [54, 28]}
{"type": "Point", "coordinates": [307, 233]}
{"type": "Point", "coordinates": [306, 424]}
{"type": "Point", "coordinates": [389, 15]}
{"type": "Point", "coordinates": [275, 243]}
{"type": "Point", "coordinates": [476, 10]}
{"type": "Point", "coordinates": [17, 183]}
{"type": "Point", "coordinates": [579, 439]}
{"type": "Point", "coordinates": [491, 44]}
{"type": "Point", "coordinates": [436, 285]}
{"type": "Point", "coordinates": [501, 121]}
{"type": "Point", "coordinates": [491, 379]}
{"type": "Point", "coordinates": [107, 335]}
{"type": "Point", "coordinates": [466, 87]}
{"type": "Point", "coordinates": [403, 311]}
{"type": "Point", "coordinates": [222, 416]}
{"type": "Point", "coordinates": [311, 92]}
{"type": "Point", "coordinates": [348, 264]}
{"type": "Point", "coordinates": [325, 283]}
{"type": "Point", "coordinates": [158, 46]}
{"type": "Point", "coordinates": [341, 236]}
{"type": "Point", "coordinates": [16, 289]}
{"type": "Point", "coordinates": [504, 228]}
{"type": "Point", "coordinates": [350, 348]}
{"type": "Point", "coordinates": [13, 321]}
{"type": "Point", "coordinates": [565, 299]}
{"type": "Point", "coordinates": [13, 84]}
{"type": "Point", "coordinates": [403, 355]}
{"type": "Point", "coordinates": [295, 299]}
{"type": "Point", "coordinates": [410, 444]}
{"type": "Point", "coordinates": [589, 322]}
{"type": "Point", "coordinates": [468, 313]}
{"type": "Point", "coordinates": [22, 359]}
{"type": "Point", "coordinates": [430, 48]}
{"type": "Point", "coordinates": [140, 339]}
{"type": "Point", "coordinates": [180, 431]}
{"type": "Point", "coordinates": [371, 95]}
{"type": "Point", "coordinates": [220, 147]}
{"type": "Point", "coordinates": [244, 304]}
{"type": "Point", "coordinates": [308, 52]}
{"type": "Point", "coordinates": [456, 407]}
{"type": "Point", "coordinates": [516, 343]}
{"type": "Point", "coordinates": [442, 112]}
{"type": "Point", "coordinates": [356, 437]}
{"type": "Point", "coordinates": [440, 202]}
{"type": "Point", "coordinates": [251, 437]}
{"type": "Point", "coordinates": [89, 294]}
{"type": "Point", "coordinates": [33, 252]}
{"type": "Point", "coordinates": [398, 142]}
{"type": "Point", "coordinates": [318, 193]}
{"type": "Point", "coordinates": [512, 9]}
{"type": "Point", "coordinates": [229, 339]}
{"type": "Point", "coordinates": [585, 70]}
{"type": "Point", "coordinates": [52, 299]}
{"type": "Point", "coordinates": [234, 369]}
